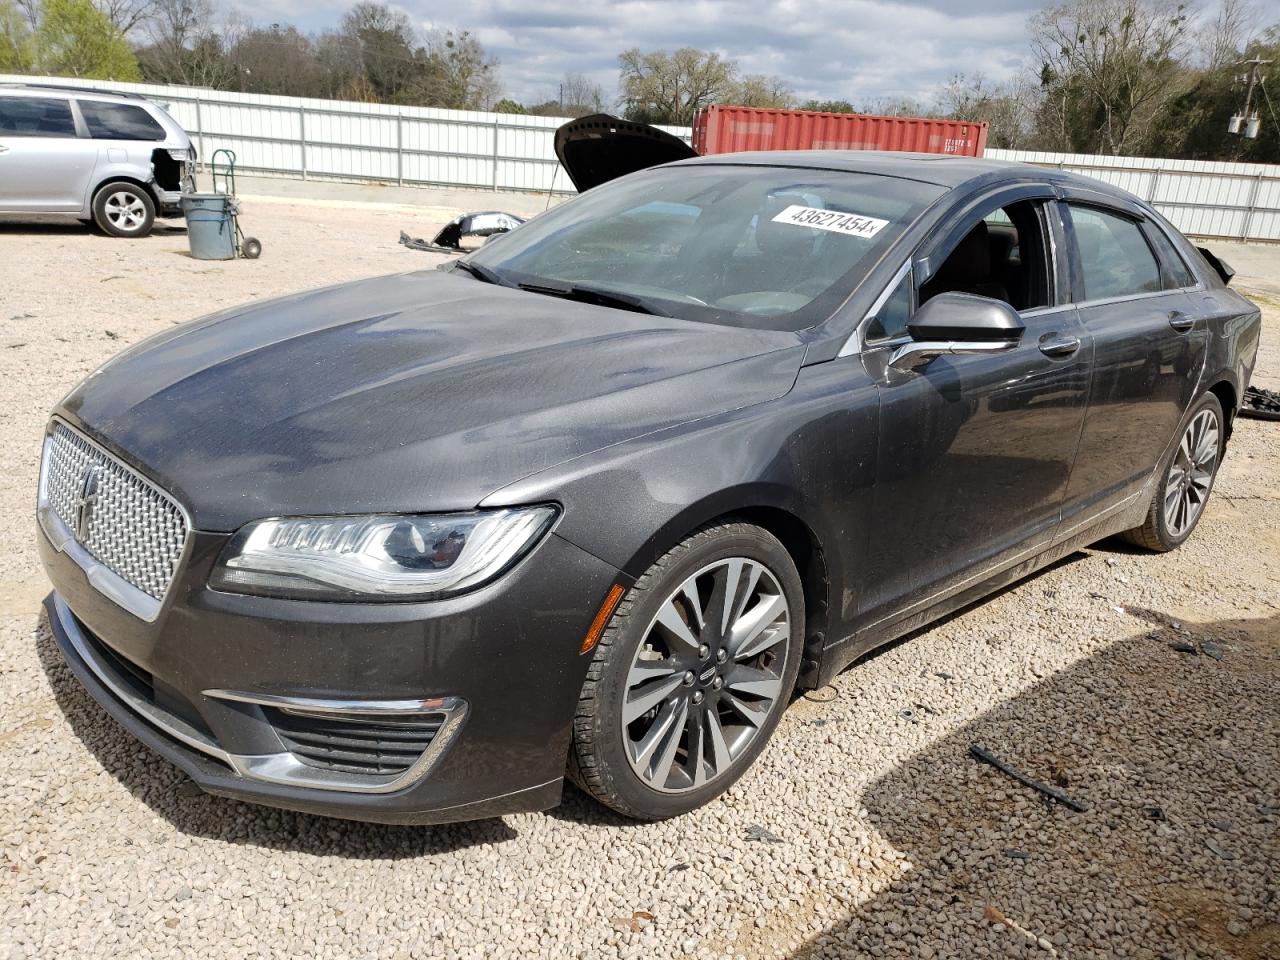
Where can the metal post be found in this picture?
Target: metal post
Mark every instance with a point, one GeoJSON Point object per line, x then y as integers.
{"type": "Point", "coordinates": [200, 134]}
{"type": "Point", "coordinates": [302, 140]}
{"type": "Point", "coordinates": [495, 153]}
{"type": "Point", "coordinates": [1151, 192]}
{"type": "Point", "coordinates": [1253, 206]}
{"type": "Point", "coordinates": [400, 149]}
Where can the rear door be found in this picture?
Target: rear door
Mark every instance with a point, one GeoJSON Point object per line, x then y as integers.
{"type": "Point", "coordinates": [44, 165]}
{"type": "Point", "coordinates": [1150, 342]}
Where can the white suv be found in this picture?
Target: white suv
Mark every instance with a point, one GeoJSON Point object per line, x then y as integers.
{"type": "Point", "coordinates": [114, 158]}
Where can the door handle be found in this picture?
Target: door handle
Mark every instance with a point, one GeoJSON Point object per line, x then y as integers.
{"type": "Point", "coordinates": [1180, 321]}
{"type": "Point", "coordinates": [1059, 346]}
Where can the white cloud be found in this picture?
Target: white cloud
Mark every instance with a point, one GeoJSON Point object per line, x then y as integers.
{"type": "Point", "coordinates": [827, 49]}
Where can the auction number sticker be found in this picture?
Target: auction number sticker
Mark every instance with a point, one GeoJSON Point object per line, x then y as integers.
{"type": "Point", "coordinates": [837, 221]}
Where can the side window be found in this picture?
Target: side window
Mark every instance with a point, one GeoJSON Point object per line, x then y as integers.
{"type": "Point", "coordinates": [1176, 272]}
{"type": "Point", "coordinates": [1115, 258]}
{"type": "Point", "coordinates": [1004, 256]}
{"type": "Point", "coordinates": [119, 121]}
{"type": "Point", "coordinates": [891, 319]}
{"type": "Point", "coordinates": [36, 117]}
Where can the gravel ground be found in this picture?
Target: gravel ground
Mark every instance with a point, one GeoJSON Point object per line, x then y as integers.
{"type": "Point", "coordinates": [1146, 687]}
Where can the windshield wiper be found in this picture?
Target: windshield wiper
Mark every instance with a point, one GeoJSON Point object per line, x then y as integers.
{"type": "Point", "coordinates": [480, 272]}
{"type": "Point", "coordinates": [601, 298]}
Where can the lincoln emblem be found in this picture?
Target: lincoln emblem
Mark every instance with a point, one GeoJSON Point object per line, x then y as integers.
{"type": "Point", "coordinates": [84, 503]}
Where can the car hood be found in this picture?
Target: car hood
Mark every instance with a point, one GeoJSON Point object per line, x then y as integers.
{"type": "Point", "coordinates": [599, 148]}
{"type": "Point", "coordinates": [417, 392]}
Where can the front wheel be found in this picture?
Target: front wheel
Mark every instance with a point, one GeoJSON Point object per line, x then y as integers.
{"type": "Point", "coordinates": [692, 674]}
{"type": "Point", "coordinates": [124, 210]}
{"type": "Point", "coordinates": [1184, 487]}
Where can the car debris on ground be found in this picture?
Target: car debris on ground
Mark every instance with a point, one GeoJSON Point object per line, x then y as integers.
{"type": "Point", "coordinates": [486, 224]}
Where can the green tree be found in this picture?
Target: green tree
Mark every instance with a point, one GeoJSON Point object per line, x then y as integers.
{"type": "Point", "coordinates": [76, 39]}
{"type": "Point", "coordinates": [507, 105]}
{"type": "Point", "coordinates": [660, 87]}
{"type": "Point", "coordinates": [16, 48]}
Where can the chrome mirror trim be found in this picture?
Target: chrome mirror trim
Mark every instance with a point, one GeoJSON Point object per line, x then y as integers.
{"type": "Point", "coordinates": [916, 353]}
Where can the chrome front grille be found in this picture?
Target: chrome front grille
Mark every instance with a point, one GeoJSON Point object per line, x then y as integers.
{"type": "Point", "coordinates": [123, 520]}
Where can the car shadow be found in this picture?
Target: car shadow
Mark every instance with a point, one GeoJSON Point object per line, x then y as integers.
{"type": "Point", "coordinates": [168, 792]}
{"type": "Point", "coordinates": [1169, 736]}
{"type": "Point", "coordinates": [69, 228]}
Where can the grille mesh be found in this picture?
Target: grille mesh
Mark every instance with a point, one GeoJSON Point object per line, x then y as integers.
{"type": "Point", "coordinates": [135, 529]}
{"type": "Point", "coordinates": [355, 744]}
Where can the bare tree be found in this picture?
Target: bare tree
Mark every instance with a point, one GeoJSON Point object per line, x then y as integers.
{"type": "Point", "coordinates": [187, 46]}
{"type": "Point", "coordinates": [127, 15]}
{"type": "Point", "coordinates": [1227, 35]}
{"type": "Point", "coordinates": [579, 96]}
{"type": "Point", "coordinates": [1108, 67]}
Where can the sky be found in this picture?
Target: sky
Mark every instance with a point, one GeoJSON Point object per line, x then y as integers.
{"type": "Point", "coordinates": [857, 50]}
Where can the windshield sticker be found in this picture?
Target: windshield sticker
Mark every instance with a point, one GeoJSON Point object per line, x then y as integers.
{"type": "Point", "coordinates": [837, 221]}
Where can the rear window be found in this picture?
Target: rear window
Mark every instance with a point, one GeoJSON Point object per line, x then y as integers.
{"type": "Point", "coordinates": [750, 246]}
{"type": "Point", "coordinates": [119, 121]}
{"type": "Point", "coordinates": [1115, 258]}
{"type": "Point", "coordinates": [36, 117]}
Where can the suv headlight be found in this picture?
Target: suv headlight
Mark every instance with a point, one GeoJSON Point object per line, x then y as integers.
{"type": "Point", "coordinates": [422, 557]}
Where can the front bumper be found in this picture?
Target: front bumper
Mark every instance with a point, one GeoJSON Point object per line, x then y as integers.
{"type": "Point", "coordinates": [499, 668]}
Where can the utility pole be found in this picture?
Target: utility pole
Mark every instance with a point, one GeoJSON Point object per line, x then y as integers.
{"type": "Point", "coordinates": [1247, 122]}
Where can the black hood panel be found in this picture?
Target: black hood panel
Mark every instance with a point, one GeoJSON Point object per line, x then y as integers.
{"type": "Point", "coordinates": [415, 392]}
{"type": "Point", "coordinates": [599, 148]}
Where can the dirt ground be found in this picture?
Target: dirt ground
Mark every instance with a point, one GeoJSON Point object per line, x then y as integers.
{"type": "Point", "coordinates": [1144, 686]}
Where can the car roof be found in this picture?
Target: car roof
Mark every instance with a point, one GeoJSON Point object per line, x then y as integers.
{"type": "Point", "coordinates": [943, 170]}
{"type": "Point", "coordinates": [60, 90]}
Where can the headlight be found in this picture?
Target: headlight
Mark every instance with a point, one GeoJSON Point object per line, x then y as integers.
{"type": "Point", "coordinates": [421, 557]}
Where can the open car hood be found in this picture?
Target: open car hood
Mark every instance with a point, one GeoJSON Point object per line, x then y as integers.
{"type": "Point", "coordinates": [599, 148]}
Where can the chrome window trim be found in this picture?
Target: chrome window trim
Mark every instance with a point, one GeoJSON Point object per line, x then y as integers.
{"type": "Point", "coordinates": [855, 342]}
{"type": "Point", "coordinates": [280, 767]}
{"type": "Point", "coordinates": [1129, 297]}
{"type": "Point", "coordinates": [101, 577]}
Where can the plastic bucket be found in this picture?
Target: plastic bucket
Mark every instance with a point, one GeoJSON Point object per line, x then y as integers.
{"type": "Point", "coordinates": [211, 225]}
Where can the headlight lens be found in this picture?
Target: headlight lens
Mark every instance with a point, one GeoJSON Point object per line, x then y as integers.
{"type": "Point", "coordinates": [420, 557]}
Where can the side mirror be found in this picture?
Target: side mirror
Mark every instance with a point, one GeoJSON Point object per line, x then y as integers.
{"type": "Point", "coordinates": [958, 323]}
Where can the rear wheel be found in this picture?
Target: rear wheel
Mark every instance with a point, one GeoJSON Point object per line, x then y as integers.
{"type": "Point", "coordinates": [692, 675]}
{"type": "Point", "coordinates": [1184, 487]}
{"type": "Point", "coordinates": [124, 210]}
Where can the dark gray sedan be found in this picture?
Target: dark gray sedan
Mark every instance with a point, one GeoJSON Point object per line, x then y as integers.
{"type": "Point", "coordinates": [601, 496]}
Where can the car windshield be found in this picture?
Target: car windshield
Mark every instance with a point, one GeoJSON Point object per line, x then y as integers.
{"type": "Point", "coordinates": [751, 246]}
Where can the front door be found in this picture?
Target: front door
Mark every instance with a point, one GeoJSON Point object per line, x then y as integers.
{"type": "Point", "coordinates": [976, 451]}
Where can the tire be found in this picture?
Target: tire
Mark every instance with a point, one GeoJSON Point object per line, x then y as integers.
{"type": "Point", "coordinates": [123, 209]}
{"type": "Point", "coordinates": [639, 656]}
{"type": "Point", "coordinates": [1165, 528]}
{"type": "Point", "coordinates": [251, 248]}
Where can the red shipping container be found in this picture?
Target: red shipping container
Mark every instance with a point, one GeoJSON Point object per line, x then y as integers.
{"type": "Point", "coordinates": [725, 129]}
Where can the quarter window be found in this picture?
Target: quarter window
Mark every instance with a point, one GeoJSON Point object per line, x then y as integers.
{"type": "Point", "coordinates": [1115, 258]}
{"type": "Point", "coordinates": [36, 117]}
{"type": "Point", "coordinates": [119, 121]}
{"type": "Point", "coordinates": [892, 318]}
{"type": "Point", "coordinates": [1176, 273]}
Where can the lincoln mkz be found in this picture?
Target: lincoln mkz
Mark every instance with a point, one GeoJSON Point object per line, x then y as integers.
{"type": "Point", "coordinates": [596, 499]}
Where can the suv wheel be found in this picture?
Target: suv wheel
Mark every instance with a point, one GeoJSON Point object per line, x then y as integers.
{"type": "Point", "coordinates": [692, 674]}
{"type": "Point", "coordinates": [1187, 480]}
{"type": "Point", "coordinates": [124, 210]}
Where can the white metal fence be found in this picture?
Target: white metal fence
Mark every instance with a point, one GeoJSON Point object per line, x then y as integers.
{"type": "Point", "coordinates": [298, 137]}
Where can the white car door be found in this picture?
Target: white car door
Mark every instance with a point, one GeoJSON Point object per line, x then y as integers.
{"type": "Point", "coordinates": [44, 165]}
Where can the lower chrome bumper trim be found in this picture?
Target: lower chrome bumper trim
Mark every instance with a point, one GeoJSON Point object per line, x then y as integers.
{"type": "Point", "coordinates": [281, 767]}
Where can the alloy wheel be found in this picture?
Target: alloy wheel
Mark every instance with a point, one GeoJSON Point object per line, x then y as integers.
{"type": "Point", "coordinates": [1191, 473]}
{"type": "Point", "coordinates": [125, 211]}
{"type": "Point", "coordinates": [707, 675]}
